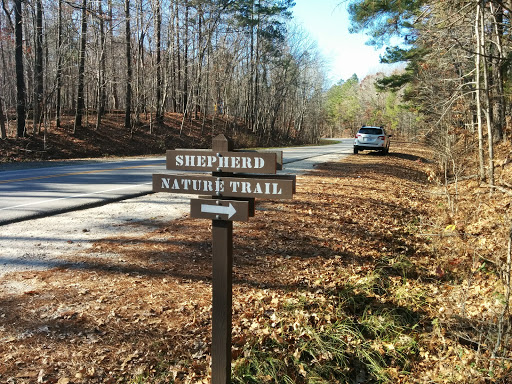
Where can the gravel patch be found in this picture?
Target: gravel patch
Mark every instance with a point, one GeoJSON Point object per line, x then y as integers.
{"type": "Point", "coordinates": [47, 242]}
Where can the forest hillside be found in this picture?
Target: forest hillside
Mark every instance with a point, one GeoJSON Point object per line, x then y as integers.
{"type": "Point", "coordinates": [112, 139]}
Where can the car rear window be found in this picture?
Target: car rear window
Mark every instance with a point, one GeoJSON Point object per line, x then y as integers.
{"type": "Point", "coordinates": [371, 131]}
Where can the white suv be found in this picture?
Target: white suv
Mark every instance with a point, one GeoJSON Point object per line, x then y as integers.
{"type": "Point", "coordinates": [372, 138]}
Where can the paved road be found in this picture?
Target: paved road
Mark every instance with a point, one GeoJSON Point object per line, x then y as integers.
{"type": "Point", "coordinates": [46, 190]}
{"type": "Point", "coordinates": [36, 192]}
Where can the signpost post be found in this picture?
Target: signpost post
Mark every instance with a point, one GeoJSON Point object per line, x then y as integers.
{"type": "Point", "coordinates": [232, 199]}
{"type": "Point", "coordinates": [222, 293]}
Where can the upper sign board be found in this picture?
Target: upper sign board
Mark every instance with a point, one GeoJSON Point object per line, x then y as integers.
{"type": "Point", "coordinates": [211, 161]}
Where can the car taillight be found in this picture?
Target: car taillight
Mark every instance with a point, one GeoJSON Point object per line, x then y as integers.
{"type": "Point", "coordinates": [358, 135]}
{"type": "Point", "coordinates": [382, 137]}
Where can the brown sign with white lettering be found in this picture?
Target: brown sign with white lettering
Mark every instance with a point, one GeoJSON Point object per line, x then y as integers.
{"type": "Point", "coordinates": [214, 209]}
{"type": "Point", "coordinates": [210, 161]}
{"type": "Point", "coordinates": [224, 186]}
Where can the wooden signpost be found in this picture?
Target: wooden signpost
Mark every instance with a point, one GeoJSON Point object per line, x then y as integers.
{"type": "Point", "coordinates": [238, 177]}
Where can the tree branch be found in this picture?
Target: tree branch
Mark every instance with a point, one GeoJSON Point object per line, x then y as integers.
{"type": "Point", "coordinates": [501, 189]}
{"type": "Point", "coordinates": [8, 14]}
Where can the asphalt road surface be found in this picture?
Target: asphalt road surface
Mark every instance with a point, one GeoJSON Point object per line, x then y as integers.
{"type": "Point", "coordinates": [34, 236]}
{"type": "Point", "coordinates": [28, 193]}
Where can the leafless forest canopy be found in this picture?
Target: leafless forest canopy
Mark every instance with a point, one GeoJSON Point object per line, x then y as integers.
{"type": "Point", "coordinates": [236, 59]}
{"type": "Point", "coordinates": [248, 62]}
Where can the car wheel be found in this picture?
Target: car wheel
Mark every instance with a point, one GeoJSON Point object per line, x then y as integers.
{"type": "Point", "coordinates": [356, 150]}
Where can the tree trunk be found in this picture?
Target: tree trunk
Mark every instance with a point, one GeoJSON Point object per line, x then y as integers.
{"type": "Point", "coordinates": [4, 81]}
{"type": "Point", "coordinates": [3, 131]}
{"type": "Point", "coordinates": [171, 79]}
{"type": "Point", "coordinates": [488, 113]}
{"type": "Point", "coordinates": [250, 87]}
{"type": "Point", "coordinates": [158, 32]}
{"type": "Point", "coordinates": [140, 91]}
{"type": "Point", "coordinates": [80, 100]}
{"type": "Point", "coordinates": [128, 99]}
{"type": "Point", "coordinates": [499, 118]}
{"type": "Point", "coordinates": [58, 80]}
{"type": "Point", "coordinates": [478, 58]}
{"type": "Point", "coordinates": [256, 96]}
{"type": "Point", "coordinates": [101, 96]}
{"type": "Point", "coordinates": [185, 62]}
{"type": "Point", "coordinates": [113, 74]}
{"type": "Point", "coordinates": [197, 104]}
{"type": "Point", "coordinates": [177, 83]}
{"type": "Point", "coordinates": [38, 69]}
{"type": "Point", "coordinates": [20, 73]}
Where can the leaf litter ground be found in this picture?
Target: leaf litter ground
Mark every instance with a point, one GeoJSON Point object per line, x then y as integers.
{"type": "Point", "coordinates": [338, 285]}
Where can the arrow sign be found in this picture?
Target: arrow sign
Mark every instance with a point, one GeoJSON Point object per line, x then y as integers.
{"type": "Point", "coordinates": [215, 209]}
{"type": "Point", "coordinates": [219, 209]}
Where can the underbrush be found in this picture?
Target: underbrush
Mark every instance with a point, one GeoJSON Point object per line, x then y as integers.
{"type": "Point", "coordinates": [340, 336]}
{"type": "Point", "coordinates": [434, 309]}
{"type": "Point", "coordinates": [471, 235]}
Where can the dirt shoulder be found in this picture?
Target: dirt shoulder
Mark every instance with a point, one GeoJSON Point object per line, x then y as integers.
{"type": "Point", "coordinates": [341, 284]}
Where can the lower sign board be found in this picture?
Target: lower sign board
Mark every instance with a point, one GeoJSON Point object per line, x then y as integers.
{"type": "Point", "coordinates": [224, 186]}
{"type": "Point", "coordinates": [214, 209]}
{"type": "Point", "coordinates": [250, 200]}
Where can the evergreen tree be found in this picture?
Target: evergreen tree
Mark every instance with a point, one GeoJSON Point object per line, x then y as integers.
{"type": "Point", "coordinates": [383, 20]}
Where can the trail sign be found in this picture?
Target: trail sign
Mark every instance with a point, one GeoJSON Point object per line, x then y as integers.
{"type": "Point", "coordinates": [210, 161]}
{"type": "Point", "coordinates": [238, 177]}
{"type": "Point", "coordinates": [224, 186]}
{"type": "Point", "coordinates": [219, 209]}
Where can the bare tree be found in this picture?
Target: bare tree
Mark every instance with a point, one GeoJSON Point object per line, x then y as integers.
{"type": "Point", "coordinates": [58, 79]}
{"type": "Point", "coordinates": [101, 93]}
{"type": "Point", "coordinates": [202, 65]}
{"type": "Point", "coordinates": [185, 107]}
{"type": "Point", "coordinates": [80, 99]}
{"type": "Point", "coordinates": [158, 62]}
{"type": "Point", "coordinates": [478, 92]}
{"type": "Point", "coordinates": [488, 106]}
{"type": "Point", "coordinates": [3, 132]}
{"type": "Point", "coordinates": [113, 75]}
{"type": "Point", "coordinates": [38, 68]}
{"type": "Point", "coordinates": [20, 72]}
{"type": "Point", "coordinates": [128, 95]}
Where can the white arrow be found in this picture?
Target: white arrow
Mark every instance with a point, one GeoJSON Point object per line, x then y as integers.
{"type": "Point", "coordinates": [219, 209]}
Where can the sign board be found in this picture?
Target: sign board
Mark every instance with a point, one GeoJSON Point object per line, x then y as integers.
{"type": "Point", "coordinates": [279, 155]}
{"type": "Point", "coordinates": [224, 186]}
{"type": "Point", "coordinates": [211, 161]}
{"type": "Point", "coordinates": [215, 209]}
{"type": "Point", "coordinates": [250, 201]}
{"type": "Point", "coordinates": [238, 177]}
{"type": "Point", "coordinates": [292, 178]}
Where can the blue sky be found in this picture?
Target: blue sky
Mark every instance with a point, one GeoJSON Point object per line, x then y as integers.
{"type": "Point", "coordinates": [327, 22]}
